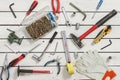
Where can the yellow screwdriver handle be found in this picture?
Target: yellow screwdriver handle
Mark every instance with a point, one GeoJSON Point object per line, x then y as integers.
{"type": "Point", "coordinates": [70, 68]}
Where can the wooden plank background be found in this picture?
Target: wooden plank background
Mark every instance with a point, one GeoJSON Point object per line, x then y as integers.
{"type": "Point", "coordinates": [88, 6]}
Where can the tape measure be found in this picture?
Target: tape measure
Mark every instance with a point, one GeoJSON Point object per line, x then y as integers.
{"type": "Point", "coordinates": [70, 68]}
{"type": "Point", "coordinates": [106, 30]}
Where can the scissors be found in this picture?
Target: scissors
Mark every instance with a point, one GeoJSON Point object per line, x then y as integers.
{"type": "Point", "coordinates": [5, 69]}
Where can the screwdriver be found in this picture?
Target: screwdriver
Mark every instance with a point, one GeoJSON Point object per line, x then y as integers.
{"type": "Point", "coordinates": [34, 4]}
{"type": "Point", "coordinates": [16, 60]}
{"type": "Point", "coordinates": [98, 6]}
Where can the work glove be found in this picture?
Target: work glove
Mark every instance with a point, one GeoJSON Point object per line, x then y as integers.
{"type": "Point", "coordinates": [91, 65]}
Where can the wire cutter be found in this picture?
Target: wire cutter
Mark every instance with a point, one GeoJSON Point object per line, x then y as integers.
{"type": "Point", "coordinates": [57, 9]}
{"type": "Point", "coordinates": [54, 60]}
{"type": "Point", "coordinates": [5, 69]}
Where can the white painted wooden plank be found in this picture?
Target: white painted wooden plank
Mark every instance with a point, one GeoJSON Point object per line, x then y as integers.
{"type": "Point", "coordinates": [7, 18]}
{"type": "Point", "coordinates": [87, 45]}
{"type": "Point", "coordinates": [86, 5]}
{"type": "Point", "coordinates": [114, 61]}
{"type": "Point", "coordinates": [21, 31]}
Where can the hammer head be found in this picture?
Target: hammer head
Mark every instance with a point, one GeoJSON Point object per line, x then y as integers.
{"type": "Point", "coordinates": [76, 41]}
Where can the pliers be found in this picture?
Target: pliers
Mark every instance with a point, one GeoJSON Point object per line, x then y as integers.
{"type": "Point", "coordinates": [54, 60]}
{"type": "Point", "coordinates": [56, 10]}
{"type": "Point", "coordinates": [5, 69]}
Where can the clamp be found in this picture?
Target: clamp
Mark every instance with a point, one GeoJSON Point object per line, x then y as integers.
{"type": "Point", "coordinates": [13, 38]}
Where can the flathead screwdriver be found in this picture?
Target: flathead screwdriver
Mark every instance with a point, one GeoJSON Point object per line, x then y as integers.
{"type": "Point", "coordinates": [15, 61]}
{"type": "Point", "coordinates": [34, 4]}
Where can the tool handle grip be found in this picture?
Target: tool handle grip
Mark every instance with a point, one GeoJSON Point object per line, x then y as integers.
{"type": "Point", "coordinates": [15, 61]}
{"type": "Point", "coordinates": [33, 71]}
{"type": "Point", "coordinates": [25, 71]}
{"type": "Point", "coordinates": [52, 38]}
{"type": "Point", "coordinates": [41, 71]}
{"type": "Point", "coordinates": [106, 18]}
{"type": "Point", "coordinates": [58, 7]}
{"type": "Point", "coordinates": [34, 4]}
{"type": "Point", "coordinates": [88, 32]}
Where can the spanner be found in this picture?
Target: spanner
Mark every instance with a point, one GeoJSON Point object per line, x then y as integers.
{"type": "Point", "coordinates": [66, 17]}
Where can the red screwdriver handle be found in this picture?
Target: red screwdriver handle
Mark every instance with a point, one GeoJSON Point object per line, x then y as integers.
{"type": "Point", "coordinates": [15, 61]}
{"type": "Point", "coordinates": [34, 4]}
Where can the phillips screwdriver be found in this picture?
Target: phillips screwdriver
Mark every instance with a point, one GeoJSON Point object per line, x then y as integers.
{"type": "Point", "coordinates": [34, 4]}
{"type": "Point", "coordinates": [38, 58]}
{"type": "Point", "coordinates": [97, 8]}
{"type": "Point", "coordinates": [16, 60]}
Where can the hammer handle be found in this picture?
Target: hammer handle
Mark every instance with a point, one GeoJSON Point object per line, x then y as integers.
{"type": "Point", "coordinates": [98, 24]}
{"type": "Point", "coordinates": [34, 71]}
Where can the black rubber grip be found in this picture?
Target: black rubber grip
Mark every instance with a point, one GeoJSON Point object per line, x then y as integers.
{"type": "Point", "coordinates": [106, 18]}
{"type": "Point", "coordinates": [52, 38]}
{"type": "Point", "coordinates": [25, 71]}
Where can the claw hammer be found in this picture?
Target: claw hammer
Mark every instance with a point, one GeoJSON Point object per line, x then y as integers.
{"type": "Point", "coordinates": [77, 40]}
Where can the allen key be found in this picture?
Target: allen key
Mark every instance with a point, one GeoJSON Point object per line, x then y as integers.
{"type": "Point", "coordinates": [107, 45]}
{"type": "Point", "coordinates": [12, 10]}
{"type": "Point", "coordinates": [79, 11]}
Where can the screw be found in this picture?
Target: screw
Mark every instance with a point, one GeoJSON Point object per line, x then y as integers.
{"type": "Point", "coordinates": [73, 14]}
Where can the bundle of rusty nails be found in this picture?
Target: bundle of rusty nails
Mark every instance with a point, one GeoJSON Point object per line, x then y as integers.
{"type": "Point", "coordinates": [48, 26]}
